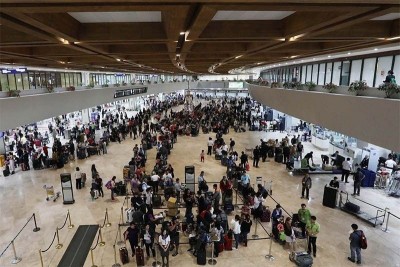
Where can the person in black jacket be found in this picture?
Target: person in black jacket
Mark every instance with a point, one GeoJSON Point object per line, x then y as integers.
{"type": "Point", "coordinates": [286, 153]}
{"type": "Point", "coordinates": [245, 228]}
{"type": "Point", "coordinates": [256, 156]}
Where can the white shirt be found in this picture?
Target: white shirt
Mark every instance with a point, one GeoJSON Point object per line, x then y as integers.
{"type": "Point", "coordinates": [149, 197]}
{"type": "Point", "coordinates": [346, 165]}
{"type": "Point", "coordinates": [257, 202]}
{"type": "Point", "coordinates": [200, 179]}
{"type": "Point", "coordinates": [164, 242]}
{"type": "Point", "coordinates": [155, 178]}
{"type": "Point", "coordinates": [210, 143]}
{"type": "Point", "coordinates": [218, 151]}
{"type": "Point", "coordinates": [235, 226]}
{"type": "Point", "coordinates": [390, 163]}
{"type": "Point", "coordinates": [78, 175]}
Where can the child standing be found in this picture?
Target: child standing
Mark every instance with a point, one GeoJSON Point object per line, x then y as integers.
{"type": "Point", "coordinates": [202, 156]}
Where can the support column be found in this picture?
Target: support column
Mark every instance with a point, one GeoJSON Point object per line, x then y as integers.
{"type": "Point", "coordinates": [85, 115]}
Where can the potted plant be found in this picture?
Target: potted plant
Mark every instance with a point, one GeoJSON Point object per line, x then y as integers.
{"type": "Point", "coordinates": [390, 89]}
{"type": "Point", "coordinates": [287, 85]}
{"type": "Point", "coordinates": [71, 88]}
{"type": "Point", "coordinates": [297, 85]}
{"type": "Point", "coordinates": [116, 84]}
{"type": "Point", "coordinates": [104, 85]}
{"type": "Point", "coordinates": [274, 85]}
{"type": "Point", "coordinates": [331, 87]}
{"type": "Point", "coordinates": [124, 84]}
{"type": "Point", "coordinates": [357, 87]}
{"type": "Point", "coordinates": [310, 86]}
{"type": "Point", "coordinates": [14, 93]}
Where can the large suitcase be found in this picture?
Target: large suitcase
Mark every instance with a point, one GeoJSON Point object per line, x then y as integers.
{"type": "Point", "coordinates": [201, 257]}
{"type": "Point", "coordinates": [227, 242]}
{"type": "Point", "coordinates": [157, 201]}
{"type": "Point", "coordinates": [266, 215]}
{"type": "Point", "coordinates": [278, 158]}
{"type": "Point", "coordinates": [6, 172]}
{"type": "Point", "coordinates": [301, 259]}
{"type": "Point", "coordinates": [271, 153]}
{"type": "Point", "coordinates": [124, 256]}
{"type": "Point", "coordinates": [139, 257]}
{"type": "Point", "coordinates": [224, 161]}
{"type": "Point", "coordinates": [220, 247]}
{"type": "Point", "coordinates": [330, 197]}
{"type": "Point", "coordinates": [352, 207]}
{"type": "Point", "coordinates": [369, 179]}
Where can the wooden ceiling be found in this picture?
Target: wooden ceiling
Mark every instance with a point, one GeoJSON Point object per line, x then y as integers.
{"type": "Point", "coordinates": [43, 33]}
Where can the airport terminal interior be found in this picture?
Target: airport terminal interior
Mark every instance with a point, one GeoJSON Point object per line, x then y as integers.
{"type": "Point", "coordinates": [164, 94]}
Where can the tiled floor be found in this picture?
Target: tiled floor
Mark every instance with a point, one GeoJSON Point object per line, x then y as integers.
{"type": "Point", "coordinates": [22, 194]}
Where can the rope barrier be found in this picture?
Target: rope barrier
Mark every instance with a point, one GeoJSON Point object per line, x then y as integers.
{"type": "Point", "coordinates": [65, 222]}
{"type": "Point", "coordinates": [54, 238]}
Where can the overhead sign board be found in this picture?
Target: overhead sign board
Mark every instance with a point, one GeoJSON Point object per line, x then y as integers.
{"type": "Point", "coordinates": [13, 71]}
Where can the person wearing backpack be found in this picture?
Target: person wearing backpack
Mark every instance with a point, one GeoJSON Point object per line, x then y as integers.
{"type": "Point", "coordinates": [390, 78]}
{"type": "Point", "coordinates": [355, 244]}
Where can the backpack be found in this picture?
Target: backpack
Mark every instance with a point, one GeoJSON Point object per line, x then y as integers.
{"type": "Point", "coordinates": [108, 185]}
{"type": "Point", "coordinates": [363, 240]}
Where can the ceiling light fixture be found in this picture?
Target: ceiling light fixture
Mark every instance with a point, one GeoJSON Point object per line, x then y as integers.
{"type": "Point", "coordinates": [62, 40]}
{"type": "Point", "coordinates": [375, 49]}
{"type": "Point", "coordinates": [182, 33]}
{"type": "Point", "coordinates": [349, 53]}
{"type": "Point", "coordinates": [238, 56]}
{"type": "Point", "coordinates": [294, 38]}
{"type": "Point", "coordinates": [392, 38]}
{"type": "Point", "coordinates": [117, 59]}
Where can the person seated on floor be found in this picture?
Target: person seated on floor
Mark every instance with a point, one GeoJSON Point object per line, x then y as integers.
{"type": "Point", "coordinates": [334, 183]}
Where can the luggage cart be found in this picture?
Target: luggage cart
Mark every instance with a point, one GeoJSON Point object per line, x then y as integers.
{"type": "Point", "coordinates": [50, 193]}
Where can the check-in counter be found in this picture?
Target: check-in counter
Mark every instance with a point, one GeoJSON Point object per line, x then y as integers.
{"type": "Point", "coordinates": [320, 142]}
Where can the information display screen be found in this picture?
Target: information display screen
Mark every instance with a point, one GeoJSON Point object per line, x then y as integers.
{"type": "Point", "coordinates": [235, 84]}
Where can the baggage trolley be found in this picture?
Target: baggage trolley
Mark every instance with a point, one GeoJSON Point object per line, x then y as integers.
{"type": "Point", "coordinates": [50, 193]}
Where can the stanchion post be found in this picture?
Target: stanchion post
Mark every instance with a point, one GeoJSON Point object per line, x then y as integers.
{"type": "Point", "coordinates": [269, 256]}
{"type": "Point", "coordinates": [156, 263]}
{"type": "Point", "coordinates": [212, 261]}
{"type": "Point", "coordinates": [16, 259]}
{"type": "Point", "coordinates": [91, 257]}
{"type": "Point", "coordinates": [387, 222]}
{"type": "Point", "coordinates": [41, 258]}
{"type": "Point", "coordinates": [36, 229]}
{"type": "Point", "coordinates": [255, 236]}
{"type": "Point", "coordinates": [122, 215]}
{"type": "Point", "coordinates": [120, 241]}
{"type": "Point", "coordinates": [102, 243]}
{"type": "Point", "coordinates": [59, 245]}
{"type": "Point", "coordinates": [116, 264]}
{"type": "Point", "coordinates": [70, 225]}
{"type": "Point", "coordinates": [236, 204]}
{"type": "Point", "coordinates": [108, 224]}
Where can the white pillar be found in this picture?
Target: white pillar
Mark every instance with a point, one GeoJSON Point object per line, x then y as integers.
{"type": "Point", "coordinates": [85, 115]}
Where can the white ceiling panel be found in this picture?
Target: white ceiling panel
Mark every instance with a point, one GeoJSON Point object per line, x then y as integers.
{"type": "Point", "coordinates": [252, 15]}
{"type": "Point", "coordinates": [101, 17]}
{"type": "Point", "coordinates": [390, 16]}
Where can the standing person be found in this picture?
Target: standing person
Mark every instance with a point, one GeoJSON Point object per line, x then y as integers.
{"type": "Point", "coordinates": [216, 198]}
{"type": "Point", "coordinates": [290, 237]}
{"type": "Point", "coordinates": [113, 187]}
{"type": "Point", "coordinates": [132, 235]}
{"type": "Point", "coordinates": [304, 217]}
{"type": "Point", "coordinates": [224, 186]}
{"type": "Point", "coordinates": [202, 156]}
{"type": "Point", "coordinates": [236, 230]}
{"type": "Point", "coordinates": [155, 178]}
{"type": "Point", "coordinates": [94, 171]}
{"type": "Point", "coordinates": [245, 228]}
{"type": "Point", "coordinates": [300, 149]}
{"type": "Point", "coordinates": [355, 244]}
{"type": "Point", "coordinates": [231, 145]}
{"type": "Point", "coordinates": [164, 241]}
{"type": "Point", "coordinates": [148, 238]}
{"type": "Point", "coordinates": [358, 177]}
{"type": "Point", "coordinates": [276, 214]}
{"type": "Point", "coordinates": [256, 156]}
{"type": "Point", "coordinates": [346, 169]}
{"type": "Point", "coordinates": [312, 231]}
{"type": "Point", "coordinates": [243, 160]}
{"type": "Point", "coordinates": [390, 78]}
{"type": "Point", "coordinates": [306, 184]}
{"type": "Point", "coordinates": [78, 178]}
{"type": "Point", "coordinates": [174, 232]}
{"type": "Point", "coordinates": [219, 233]}
{"type": "Point", "coordinates": [210, 144]}
{"type": "Point", "coordinates": [99, 183]}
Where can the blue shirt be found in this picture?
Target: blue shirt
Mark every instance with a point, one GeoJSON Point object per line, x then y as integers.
{"type": "Point", "coordinates": [245, 179]}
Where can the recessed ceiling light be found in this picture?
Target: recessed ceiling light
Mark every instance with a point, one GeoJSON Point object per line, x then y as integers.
{"type": "Point", "coordinates": [238, 56]}
{"type": "Point", "coordinates": [117, 59]}
{"type": "Point", "coordinates": [349, 53]}
{"type": "Point", "coordinates": [329, 56]}
{"type": "Point", "coordinates": [376, 49]}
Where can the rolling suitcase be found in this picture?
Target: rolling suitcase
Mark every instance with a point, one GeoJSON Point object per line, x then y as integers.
{"type": "Point", "coordinates": [301, 259]}
{"type": "Point", "coordinates": [124, 256]}
{"type": "Point", "coordinates": [157, 201]}
{"type": "Point", "coordinates": [352, 207]}
{"type": "Point", "coordinates": [228, 208]}
{"type": "Point", "coordinates": [279, 158]}
{"type": "Point", "coordinates": [6, 172]}
{"type": "Point", "coordinates": [227, 242]}
{"type": "Point", "coordinates": [139, 257]}
{"type": "Point", "coordinates": [201, 257]}
{"type": "Point", "coordinates": [271, 153]}
{"type": "Point", "coordinates": [220, 247]}
{"type": "Point", "coordinates": [266, 215]}
{"type": "Point", "coordinates": [125, 173]}
{"type": "Point", "coordinates": [330, 196]}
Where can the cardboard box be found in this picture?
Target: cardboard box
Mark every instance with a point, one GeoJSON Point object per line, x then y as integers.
{"type": "Point", "coordinates": [171, 203]}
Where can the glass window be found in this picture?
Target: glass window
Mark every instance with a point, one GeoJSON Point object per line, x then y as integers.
{"type": "Point", "coordinates": [321, 74]}
{"type": "Point", "coordinates": [11, 81]}
{"type": "Point", "coordinates": [328, 77]}
{"type": "Point", "coordinates": [18, 79]}
{"type": "Point", "coordinates": [58, 79]}
{"type": "Point", "coordinates": [43, 80]}
{"type": "Point", "coordinates": [355, 70]}
{"type": "Point", "coordinates": [3, 82]}
{"type": "Point", "coordinates": [303, 74]}
{"type": "Point", "coordinates": [382, 68]}
{"type": "Point", "coordinates": [314, 75]}
{"type": "Point", "coordinates": [369, 70]}
{"type": "Point", "coordinates": [32, 81]}
{"type": "Point", "coordinates": [77, 79]}
{"type": "Point", "coordinates": [25, 81]}
{"type": "Point", "coordinates": [396, 67]}
{"type": "Point", "coordinates": [308, 78]}
{"type": "Point", "coordinates": [345, 73]}
{"type": "Point", "coordinates": [336, 72]}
